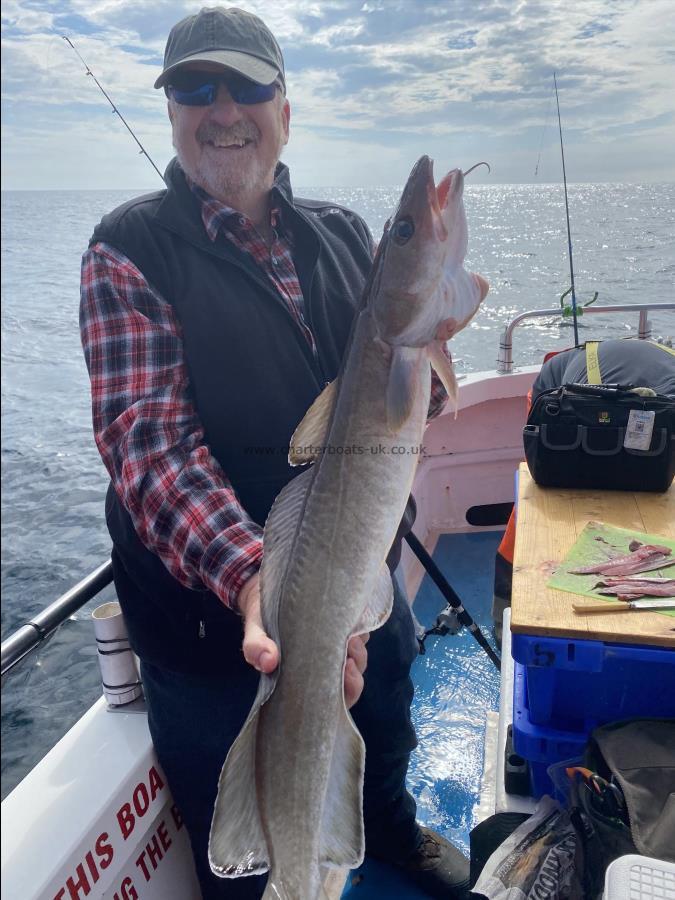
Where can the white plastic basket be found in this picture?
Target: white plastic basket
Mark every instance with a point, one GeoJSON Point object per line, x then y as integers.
{"type": "Point", "coordinates": [635, 877]}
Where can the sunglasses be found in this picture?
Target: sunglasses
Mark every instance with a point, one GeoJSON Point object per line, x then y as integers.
{"type": "Point", "coordinates": [201, 88]}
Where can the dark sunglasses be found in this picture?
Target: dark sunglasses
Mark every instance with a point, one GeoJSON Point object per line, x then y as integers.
{"type": "Point", "coordinates": [201, 88]}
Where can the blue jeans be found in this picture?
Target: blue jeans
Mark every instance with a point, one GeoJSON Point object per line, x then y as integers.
{"type": "Point", "coordinates": [194, 719]}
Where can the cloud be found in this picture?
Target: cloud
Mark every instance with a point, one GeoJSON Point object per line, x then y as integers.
{"type": "Point", "coordinates": [368, 80]}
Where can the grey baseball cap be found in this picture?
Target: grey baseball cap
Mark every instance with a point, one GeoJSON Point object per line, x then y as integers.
{"type": "Point", "coordinates": [229, 36]}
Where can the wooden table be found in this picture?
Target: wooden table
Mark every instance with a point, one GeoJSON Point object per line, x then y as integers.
{"type": "Point", "coordinates": [549, 521]}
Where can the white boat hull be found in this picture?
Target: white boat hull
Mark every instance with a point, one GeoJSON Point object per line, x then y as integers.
{"type": "Point", "coordinates": [96, 819]}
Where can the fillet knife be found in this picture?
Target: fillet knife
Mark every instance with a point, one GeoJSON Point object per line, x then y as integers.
{"type": "Point", "coordinates": [611, 606]}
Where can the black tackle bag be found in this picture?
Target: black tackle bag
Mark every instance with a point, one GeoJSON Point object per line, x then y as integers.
{"type": "Point", "coordinates": [636, 759]}
{"type": "Point", "coordinates": [603, 436]}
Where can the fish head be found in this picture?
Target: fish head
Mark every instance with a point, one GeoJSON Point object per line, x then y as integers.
{"type": "Point", "coordinates": [410, 256]}
{"type": "Point", "coordinates": [461, 292]}
{"type": "Point", "coordinates": [419, 281]}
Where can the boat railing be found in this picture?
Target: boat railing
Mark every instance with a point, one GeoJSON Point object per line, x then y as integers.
{"type": "Point", "coordinates": [505, 358]}
{"type": "Point", "coordinates": [37, 630]}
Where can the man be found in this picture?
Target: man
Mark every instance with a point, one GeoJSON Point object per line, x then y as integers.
{"type": "Point", "coordinates": [212, 315]}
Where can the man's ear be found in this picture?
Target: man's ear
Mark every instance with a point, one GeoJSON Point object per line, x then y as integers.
{"type": "Point", "coordinates": [170, 111]}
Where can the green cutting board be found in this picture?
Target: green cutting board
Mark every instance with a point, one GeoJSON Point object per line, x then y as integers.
{"type": "Point", "coordinates": [599, 542]}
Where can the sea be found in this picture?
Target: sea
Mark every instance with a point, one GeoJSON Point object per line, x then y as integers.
{"type": "Point", "coordinates": [53, 529]}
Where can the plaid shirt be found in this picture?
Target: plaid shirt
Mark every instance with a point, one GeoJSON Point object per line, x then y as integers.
{"type": "Point", "coordinates": [146, 426]}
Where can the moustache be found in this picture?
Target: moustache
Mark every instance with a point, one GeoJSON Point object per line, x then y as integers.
{"type": "Point", "coordinates": [209, 132]}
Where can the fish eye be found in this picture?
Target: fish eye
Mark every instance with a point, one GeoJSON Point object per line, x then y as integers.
{"type": "Point", "coordinates": [402, 230]}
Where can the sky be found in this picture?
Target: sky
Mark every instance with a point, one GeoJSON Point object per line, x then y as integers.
{"type": "Point", "coordinates": [373, 84]}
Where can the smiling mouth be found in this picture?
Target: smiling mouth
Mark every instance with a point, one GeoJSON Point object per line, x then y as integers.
{"type": "Point", "coordinates": [232, 145]}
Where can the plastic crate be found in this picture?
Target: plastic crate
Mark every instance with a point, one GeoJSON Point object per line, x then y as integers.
{"type": "Point", "coordinates": [540, 745]}
{"type": "Point", "coordinates": [636, 877]}
{"type": "Point", "coordinates": [577, 684]}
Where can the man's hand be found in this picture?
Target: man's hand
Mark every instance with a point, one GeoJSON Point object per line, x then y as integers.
{"type": "Point", "coordinates": [262, 653]}
{"type": "Point", "coordinates": [357, 660]}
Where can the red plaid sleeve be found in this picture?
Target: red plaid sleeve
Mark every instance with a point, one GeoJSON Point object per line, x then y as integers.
{"type": "Point", "coordinates": [150, 437]}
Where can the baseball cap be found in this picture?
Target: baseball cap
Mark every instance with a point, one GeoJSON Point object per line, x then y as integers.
{"type": "Point", "coordinates": [232, 37]}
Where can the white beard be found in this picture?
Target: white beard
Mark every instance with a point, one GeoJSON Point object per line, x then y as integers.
{"type": "Point", "coordinates": [232, 180]}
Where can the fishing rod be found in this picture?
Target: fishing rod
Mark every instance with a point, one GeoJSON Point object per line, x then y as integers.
{"type": "Point", "coordinates": [144, 152]}
{"type": "Point", "coordinates": [455, 607]}
{"type": "Point", "coordinates": [567, 213]}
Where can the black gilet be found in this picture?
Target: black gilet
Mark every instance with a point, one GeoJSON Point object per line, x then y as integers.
{"type": "Point", "coordinates": [252, 374]}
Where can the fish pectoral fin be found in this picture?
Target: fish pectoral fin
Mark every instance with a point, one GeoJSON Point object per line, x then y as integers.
{"type": "Point", "coordinates": [402, 385]}
{"type": "Point", "coordinates": [237, 844]}
{"type": "Point", "coordinates": [342, 837]}
{"type": "Point", "coordinates": [378, 608]}
{"type": "Point", "coordinates": [444, 369]}
{"type": "Point", "coordinates": [311, 434]}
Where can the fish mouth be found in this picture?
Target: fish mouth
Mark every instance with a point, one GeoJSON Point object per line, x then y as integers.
{"type": "Point", "coordinates": [452, 184]}
{"type": "Point", "coordinates": [420, 184]}
{"type": "Point", "coordinates": [421, 198]}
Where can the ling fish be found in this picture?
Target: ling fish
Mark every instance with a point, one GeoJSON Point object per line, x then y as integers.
{"type": "Point", "coordinates": [290, 792]}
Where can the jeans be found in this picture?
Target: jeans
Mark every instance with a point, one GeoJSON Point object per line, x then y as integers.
{"type": "Point", "coordinates": [194, 719]}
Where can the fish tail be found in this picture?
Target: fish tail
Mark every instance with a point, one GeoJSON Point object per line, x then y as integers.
{"type": "Point", "coordinates": [281, 886]}
{"type": "Point", "coordinates": [237, 843]}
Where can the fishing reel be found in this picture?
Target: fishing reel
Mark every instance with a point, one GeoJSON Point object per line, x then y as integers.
{"type": "Point", "coordinates": [447, 622]}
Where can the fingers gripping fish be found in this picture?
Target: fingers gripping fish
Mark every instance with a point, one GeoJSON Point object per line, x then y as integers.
{"type": "Point", "coordinates": [290, 793]}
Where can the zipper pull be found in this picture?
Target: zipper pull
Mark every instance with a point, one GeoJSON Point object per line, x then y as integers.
{"type": "Point", "coordinates": [202, 629]}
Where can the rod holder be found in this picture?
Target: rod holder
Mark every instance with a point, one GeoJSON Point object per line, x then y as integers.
{"type": "Point", "coordinates": [644, 326]}
{"type": "Point", "coordinates": [117, 661]}
{"type": "Point", "coordinates": [505, 358]}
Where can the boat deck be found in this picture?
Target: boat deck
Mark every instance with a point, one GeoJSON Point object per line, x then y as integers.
{"type": "Point", "coordinates": [455, 686]}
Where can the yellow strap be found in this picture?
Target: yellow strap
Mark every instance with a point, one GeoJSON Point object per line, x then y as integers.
{"type": "Point", "coordinates": [593, 363]}
{"type": "Point", "coordinates": [670, 350]}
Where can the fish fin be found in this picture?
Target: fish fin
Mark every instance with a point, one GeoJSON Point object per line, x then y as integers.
{"type": "Point", "coordinates": [237, 844]}
{"type": "Point", "coordinates": [280, 530]}
{"type": "Point", "coordinates": [311, 434]}
{"type": "Point", "coordinates": [445, 371]}
{"type": "Point", "coordinates": [378, 608]}
{"type": "Point", "coordinates": [275, 890]}
{"type": "Point", "coordinates": [342, 837]}
{"type": "Point", "coordinates": [402, 386]}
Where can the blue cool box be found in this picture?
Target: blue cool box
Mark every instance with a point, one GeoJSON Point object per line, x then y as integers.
{"type": "Point", "coordinates": [575, 684]}
{"type": "Point", "coordinates": [541, 745]}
